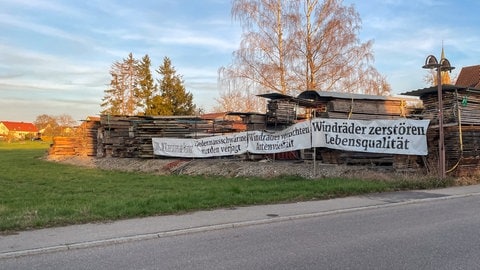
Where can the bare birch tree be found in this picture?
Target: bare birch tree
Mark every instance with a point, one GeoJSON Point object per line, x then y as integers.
{"type": "Point", "coordinates": [262, 56]}
{"type": "Point", "coordinates": [120, 98]}
{"type": "Point", "coordinates": [335, 59]}
{"type": "Point", "coordinates": [431, 77]}
{"type": "Point", "coordinates": [296, 45]}
{"type": "Point", "coordinates": [233, 100]}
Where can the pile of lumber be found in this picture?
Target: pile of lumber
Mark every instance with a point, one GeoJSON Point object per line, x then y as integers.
{"type": "Point", "coordinates": [399, 163]}
{"type": "Point", "coordinates": [368, 109]}
{"type": "Point", "coordinates": [254, 121]}
{"type": "Point", "coordinates": [131, 136]}
{"type": "Point", "coordinates": [124, 136]}
{"type": "Point", "coordinates": [87, 134]}
{"type": "Point", "coordinates": [82, 143]}
{"type": "Point", "coordinates": [63, 146]}
{"type": "Point", "coordinates": [333, 156]}
{"type": "Point", "coordinates": [281, 111]}
{"type": "Point", "coordinates": [450, 105]}
{"type": "Point", "coordinates": [469, 104]}
{"type": "Point", "coordinates": [462, 149]}
{"type": "Point", "coordinates": [457, 106]}
{"type": "Point", "coordinates": [461, 118]}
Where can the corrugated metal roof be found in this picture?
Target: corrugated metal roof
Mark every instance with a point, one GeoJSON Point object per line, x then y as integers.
{"type": "Point", "coordinates": [319, 95]}
{"type": "Point", "coordinates": [312, 98]}
{"type": "Point", "coordinates": [315, 95]}
{"type": "Point", "coordinates": [434, 89]}
{"type": "Point", "coordinates": [275, 96]}
{"type": "Point", "coordinates": [299, 101]}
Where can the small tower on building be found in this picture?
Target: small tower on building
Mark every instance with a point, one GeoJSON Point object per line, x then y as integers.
{"type": "Point", "coordinates": [445, 74]}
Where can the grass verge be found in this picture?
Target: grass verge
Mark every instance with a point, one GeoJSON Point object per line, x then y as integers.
{"type": "Point", "coordinates": [36, 193]}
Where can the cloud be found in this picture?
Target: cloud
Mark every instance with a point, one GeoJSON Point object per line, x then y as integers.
{"type": "Point", "coordinates": [61, 51]}
{"type": "Point", "coordinates": [26, 63]}
{"type": "Point", "coordinates": [28, 110]}
{"type": "Point", "coordinates": [39, 28]}
{"type": "Point", "coordinates": [40, 5]}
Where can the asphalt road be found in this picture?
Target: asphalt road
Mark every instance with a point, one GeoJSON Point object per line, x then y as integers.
{"type": "Point", "coordinates": [439, 234]}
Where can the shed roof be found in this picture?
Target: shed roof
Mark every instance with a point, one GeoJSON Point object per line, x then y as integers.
{"type": "Point", "coordinates": [324, 95]}
{"type": "Point", "coordinates": [428, 90]}
{"type": "Point", "coordinates": [20, 126]}
{"type": "Point", "coordinates": [278, 96]}
{"type": "Point", "coordinates": [434, 89]}
{"type": "Point", "coordinates": [316, 95]}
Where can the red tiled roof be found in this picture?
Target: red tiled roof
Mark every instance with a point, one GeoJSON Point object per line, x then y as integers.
{"type": "Point", "coordinates": [469, 77]}
{"type": "Point", "coordinates": [20, 126]}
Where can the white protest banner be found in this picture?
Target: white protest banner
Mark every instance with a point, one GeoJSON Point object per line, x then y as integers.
{"type": "Point", "coordinates": [232, 144]}
{"type": "Point", "coordinates": [292, 138]}
{"type": "Point", "coordinates": [225, 145]}
{"type": "Point", "coordinates": [403, 136]}
{"type": "Point", "coordinates": [173, 147]}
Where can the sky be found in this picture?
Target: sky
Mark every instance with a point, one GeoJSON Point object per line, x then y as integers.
{"type": "Point", "coordinates": [56, 55]}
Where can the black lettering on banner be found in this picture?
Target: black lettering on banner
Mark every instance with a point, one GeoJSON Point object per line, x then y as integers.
{"type": "Point", "coordinates": [400, 130]}
{"type": "Point", "coordinates": [366, 144]}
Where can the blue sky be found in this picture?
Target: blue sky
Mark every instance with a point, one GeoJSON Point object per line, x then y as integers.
{"type": "Point", "coordinates": [55, 55]}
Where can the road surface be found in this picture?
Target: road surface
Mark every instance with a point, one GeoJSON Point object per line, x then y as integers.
{"type": "Point", "coordinates": [438, 234]}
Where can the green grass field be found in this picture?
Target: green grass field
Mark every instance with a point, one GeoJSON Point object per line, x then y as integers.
{"type": "Point", "coordinates": [36, 193]}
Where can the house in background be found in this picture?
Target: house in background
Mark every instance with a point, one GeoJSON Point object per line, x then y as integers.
{"type": "Point", "coordinates": [17, 130]}
{"type": "Point", "coordinates": [469, 77]}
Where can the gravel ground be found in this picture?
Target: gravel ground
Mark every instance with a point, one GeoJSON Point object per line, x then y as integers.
{"type": "Point", "coordinates": [229, 167]}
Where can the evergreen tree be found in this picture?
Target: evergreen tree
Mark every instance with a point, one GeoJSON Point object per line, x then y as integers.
{"type": "Point", "coordinates": [146, 87]}
{"type": "Point", "coordinates": [173, 99]}
{"type": "Point", "coordinates": [132, 90]}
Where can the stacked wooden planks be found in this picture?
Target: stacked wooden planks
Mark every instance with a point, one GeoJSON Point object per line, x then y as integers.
{"type": "Point", "coordinates": [122, 136]}
{"type": "Point", "coordinates": [281, 112]}
{"type": "Point", "coordinates": [458, 106]}
{"type": "Point", "coordinates": [131, 136]}
{"type": "Point", "coordinates": [469, 105]}
{"type": "Point", "coordinates": [462, 149]}
{"type": "Point", "coordinates": [82, 143]}
{"type": "Point", "coordinates": [86, 135]}
{"type": "Point", "coordinates": [334, 156]}
{"type": "Point", "coordinates": [63, 146]}
{"type": "Point", "coordinates": [365, 109]}
{"type": "Point", "coordinates": [254, 121]}
{"type": "Point", "coordinates": [461, 114]}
